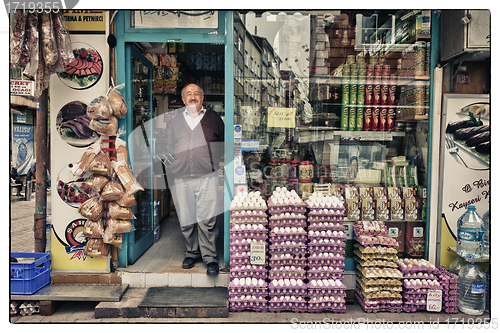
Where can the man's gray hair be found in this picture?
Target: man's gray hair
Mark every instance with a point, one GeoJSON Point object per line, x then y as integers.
{"type": "Point", "coordinates": [182, 91]}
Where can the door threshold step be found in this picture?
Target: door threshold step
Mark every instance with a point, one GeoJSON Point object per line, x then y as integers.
{"type": "Point", "coordinates": [168, 302]}
{"type": "Point", "coordinates": [173, 279]}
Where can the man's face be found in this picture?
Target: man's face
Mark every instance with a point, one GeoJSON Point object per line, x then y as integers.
{"type": "Point", "coordinates": [192, 98]}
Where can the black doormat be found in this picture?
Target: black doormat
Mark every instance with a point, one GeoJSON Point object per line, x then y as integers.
{"type": "Point", "coordinates": [180, 297]}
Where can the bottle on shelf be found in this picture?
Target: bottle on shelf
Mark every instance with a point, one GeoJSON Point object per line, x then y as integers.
{"type": "Point", "coordinates": [486, 236]}
{"type": "Point", "coordinates": [470, 230]}
{"type": "Point", "coordinates": [471, 290]}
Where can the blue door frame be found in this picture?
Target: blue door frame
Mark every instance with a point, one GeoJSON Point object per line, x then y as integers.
{"type": "Point", "coordinates": [124, 34]}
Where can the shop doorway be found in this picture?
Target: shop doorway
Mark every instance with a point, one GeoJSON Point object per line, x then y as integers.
{"type": "Point", "coordinates": [155, 76]}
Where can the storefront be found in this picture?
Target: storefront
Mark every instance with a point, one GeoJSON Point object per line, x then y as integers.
{"type": "Point", "coordinates": [338, 102]}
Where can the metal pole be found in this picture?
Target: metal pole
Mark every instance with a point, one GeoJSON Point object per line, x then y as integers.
{"type": "Point", "coordinates": [41, 172]}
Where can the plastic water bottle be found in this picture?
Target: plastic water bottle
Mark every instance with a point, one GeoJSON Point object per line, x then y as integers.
{"type": "Point", "coordinates": [471, 290]}
{"type": "Point", "coordinates": [470, 229]}
{"type": "Point", "coordinates": [486, 236]}
{"type": "Point", "coordinates": [488, 290]}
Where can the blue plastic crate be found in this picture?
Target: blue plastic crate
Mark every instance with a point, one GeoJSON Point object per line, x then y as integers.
{"type": "Point", "coordinates": [27, 278]}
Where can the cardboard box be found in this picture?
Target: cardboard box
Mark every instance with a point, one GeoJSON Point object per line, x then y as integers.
{"type": "Point", "coordinates": [397, 230]}
{"type": "Point", "coordinates": [415, 239]}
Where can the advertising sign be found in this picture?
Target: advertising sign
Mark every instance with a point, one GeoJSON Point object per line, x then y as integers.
{"type": "Point", "coordinates": [22, 147]}
{"type": "Point", "coordinates": [175, 19]}
{"type": "Point", "coordinates": [21, 87]}
{"type": "Point", "coordinates": [70, 93]}
{"type": "Point", "coordinates": [281, 117]}
{"type": "Point", "coordinates": [465, 162]}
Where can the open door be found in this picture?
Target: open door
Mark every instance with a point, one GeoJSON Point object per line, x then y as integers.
{"type": "Point", "coordinates": [139, 78]}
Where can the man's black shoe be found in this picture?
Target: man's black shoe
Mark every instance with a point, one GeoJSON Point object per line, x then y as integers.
{"type": "Point", "coordinates": [212, 269]}
{"type": "Point", "coordinates": [189, 263]}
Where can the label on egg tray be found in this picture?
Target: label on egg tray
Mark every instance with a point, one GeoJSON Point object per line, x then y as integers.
{"type": "Point", "coordinates": [257, 253]}
{"type": "Point", "coordinates": [434, 300]}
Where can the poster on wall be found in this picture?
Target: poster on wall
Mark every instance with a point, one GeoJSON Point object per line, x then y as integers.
{"type": "Point", "coordinates": [22, 147]}
{"type": "Point", "coordinates": [465, 162]}
{"type": "Point", "coordinates": [71, 91]}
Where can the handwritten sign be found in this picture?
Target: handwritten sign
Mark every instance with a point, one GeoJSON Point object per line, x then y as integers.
{"type": "Point", "coordinates": [434, 300]}
{"type": "Point", "coordinates": [257, 253]}
{"type": "Point", "coordinates": [281, 117]}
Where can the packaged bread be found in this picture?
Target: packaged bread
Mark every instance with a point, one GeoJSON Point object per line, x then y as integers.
{"type": "Point", "coordinates": [119, 226]}
{"type": "Point", "coordinates": [117, 102]}
{"type": "Point", "coordinates": [96, 247]}
{"type": "Point", "coordinates": [126, 177]}
{"type": "Point", "coordinates": [112, 191]}
{"type": "Point", "coordinates": [93, 229]}
{"type": "Point", "coordinates": [121, 151]}
{"type": "Point", "coordinates": [92, 209]}
{"type": "Point", "coordinates": [96, 182]}
{"type": "Point", "coordinates": [99, 108]}
{"type": "Point", "coordinates": [82, 166]}
{"type": "Point", "coordinates": [104, 126]}
{"type": "Point", "coordinates": [118, 212]}
{"type": "Point", "coordinates": [101, 165]}
{"type": "Point", "coordinates": [127, 200]}
{"type": "Point", "coordinates": [112, 239]}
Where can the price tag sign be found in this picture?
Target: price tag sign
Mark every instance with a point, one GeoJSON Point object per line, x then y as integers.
{"type": "Point", "coordinates": [257, 253]}
{"type": "Point", "coordinates": [434, 300]}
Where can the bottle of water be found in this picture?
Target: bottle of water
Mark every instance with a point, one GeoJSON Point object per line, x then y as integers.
{"type": "Point", "coordinates": [488, 290]}
{"type": "Point", "coordinates": [471, 290]}
{"type": "Point", "coordinates": [486, 236]}
{"type": "Point", "coordinates": [470, 230]}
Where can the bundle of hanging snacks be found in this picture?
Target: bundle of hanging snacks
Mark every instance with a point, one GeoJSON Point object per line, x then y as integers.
{"type": "Point", "coordinates": [39, 44]}
{"type": "Point", "coordinates": [108, 209]}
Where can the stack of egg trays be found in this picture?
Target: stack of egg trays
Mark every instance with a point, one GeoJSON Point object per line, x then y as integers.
{"type": "Point", "coordinates": [449, 283]}
{"type": "Point", "coordinates": [326, 250]}
{"type": "Point", "coordinates": [287, 251]}
{"type": "Point", "coordinates": [248, 294]}
{"type": "Point", "coordinates": [376, 265]}
{"type": "Point", "coordinates": [418, 278]}
{"type": "Point", "coordinates": [326, 295]}
{"type": "Point", "coordinates": [248, 288]}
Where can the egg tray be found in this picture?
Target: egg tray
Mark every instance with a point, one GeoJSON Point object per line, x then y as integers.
{"type": "Point", "coordinates": [327, 275]}
{"type": "Point", "coordinates": [293, 260]}
{"type": "Point", "coordinates": [297, 307]}
{"type": "Point", "coordinates": [315, 308]}
{"type": "Point", "coordinates": [234, 291]}
{"type": "Point", "coordinates": [372, 241]}
{"type": "Point", "coordinates": [325, 248]}
{"type": "Point", "coordinates": [287, 275]}
{"type": "Point", "coordinates": [381, 294]}
{"type": "Point", "coordinates": [248, 220]}
{"type": "Point", "coordinates": [375, 262]}
{"type": "Point", "coordinates": [316, 271]}
{"type": "Point", "coordinates": [326, 292]}
{"type": "Point", "coordinates": [451, 309]}
{"type": "Point", "coordinates": [250, 274]}
{"type": "Point", "coordinates": [379, 305]}
{"type": "Point", "coordinates": [419, 284]}
{"type": "Point", "coordinates": [240, 214]}
{"type": "Point", "coordinates": [332, 226]}
{"type": "Point", "coordinates": [337, 235]}
{"type": "Point", "coordinates": [325, 218]}
{"type": "Point", "coordinates": [376, 249]}
{"type": "Point", "coordinates": [380, 272]}
{"type": "Point", "coordinates": [379, 281]}
{"type": "Point", "coordinates": [413, 308]}
{"type": "Point", "coordinates": [288, 286]}
{"type": "Point", "coordinates": [421, 291]}
{"type": "Point", "coordinates": [374, 288]}
{"type": "Point", "coordinates": [275, 210]}
{"type": "Point", "coordinates": [240, 229]}
{"type": "Point", "coordinates": [313, 262]}
{"type": "Point", "coordinates": [240, 306]}
{"type": "Point", "coordinates": [414, 300]}
{"type": "Point", "coordinates": [275, 238]}
{"type": "Point", "coordinates": [375, 256]}
{"type": "Point", "coordinates": [287, 292]}
{"type": "Point", "coordinates": [418, 265]}
{"type": "Point", "coordinates": [374, 228]}
{"type": "Point", "coordinates": [287, 223]}
{"type": "Point", "coordinates": [419, 275]}
{"type": "Point", "coordinates": [288, 249]}
{"type": "Point", "coordinates": [246, 241]}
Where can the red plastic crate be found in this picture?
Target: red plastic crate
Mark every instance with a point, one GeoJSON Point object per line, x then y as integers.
{"type": "Point", "coordinates": [27, 278]}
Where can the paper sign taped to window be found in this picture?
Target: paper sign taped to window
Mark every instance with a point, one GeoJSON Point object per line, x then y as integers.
{"type": "Point", "coordinates": [281, 117]}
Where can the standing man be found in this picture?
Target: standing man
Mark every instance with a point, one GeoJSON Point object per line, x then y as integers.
{"type": "Point", "coordinates": [196, 142]}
